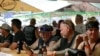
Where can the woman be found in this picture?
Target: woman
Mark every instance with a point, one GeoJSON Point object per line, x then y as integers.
{"type": "Point", "coordinates": [91, 40]}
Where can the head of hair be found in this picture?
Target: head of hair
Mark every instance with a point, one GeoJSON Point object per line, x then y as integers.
{"type": "Point", "coordinates": [54, 23]}
{"type": "Point", "coordinates": [6, 27]}
{"type": "Point", "coordinates": [92, 24]}
{"type": "Point", "coordinates": [59, 22]}
{"type": "Point", "coordinates": [17, 23]}
{"type": "Point", "coordinates": [69, 23]}
{"type": "Point", "coordinates": [79, 18]}
{"type": "Point", "coordinates": [33, 21]}
{"type": "Point", "coordinates": [92, 19]}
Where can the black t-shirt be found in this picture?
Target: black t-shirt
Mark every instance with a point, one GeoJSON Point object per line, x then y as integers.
{"type": "Point", "coordinates": [8, 39]}
{"type": "Point", "coordinates": [19, 36]}
{"type": "Point", "coordinates": [30, 36]}
{"type": "Point", "coordinates": [41, 41]}
{"type": "Point", "coordinates": [65, 44]}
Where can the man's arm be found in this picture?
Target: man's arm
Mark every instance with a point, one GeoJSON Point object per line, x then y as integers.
{"type": "Point", "coordinates": [60, 53]}
{"type": "Point", "coordinates": [54, 47]}
{"type": "Point", "coordinates": [54, 41]}
{"type": "Point", "coordinates": [57, 53]}
{"type": "Point", "coordinates": [35, 44]}
{"type": "Point", "coordinates": [13, 46]}
{"type": "Point", "coordinates": [5, 44]}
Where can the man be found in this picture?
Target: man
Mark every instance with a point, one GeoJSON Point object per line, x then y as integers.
{"type": "Point", "coordinates": [80, 27]}
{"type": "Point", "coordinates": [7, 37]}
{"type": "Point", "coordinates": [46, 37]}
{"type": "Point", "coordinates": [68, 38]}
{"type": "Point", "coordinates": [31, 32]}
{"type": "Point", "coordinates": [19, 35]}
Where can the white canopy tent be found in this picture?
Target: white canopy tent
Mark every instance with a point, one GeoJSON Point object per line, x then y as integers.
{"type": "Point", "coordinates": [77, 5]}
{"type": "Point", "coordinates": [47, 6]}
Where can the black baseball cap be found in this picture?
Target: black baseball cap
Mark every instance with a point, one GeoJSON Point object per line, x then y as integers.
{"type": "Point", "coordinates": [46, 28]}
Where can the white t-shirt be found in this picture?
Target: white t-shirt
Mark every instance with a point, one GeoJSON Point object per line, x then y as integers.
{"type": "Point", "coordinates": [80, 28]}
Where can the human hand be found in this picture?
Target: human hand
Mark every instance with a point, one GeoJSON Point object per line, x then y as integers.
{"type": "Point", "coordinates": [79, 39]}
{"type": "Point", "coordinates": [85, 37]}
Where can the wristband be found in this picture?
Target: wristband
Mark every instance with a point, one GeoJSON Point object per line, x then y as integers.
{"type": "Point", "coordinates": [87, 46]}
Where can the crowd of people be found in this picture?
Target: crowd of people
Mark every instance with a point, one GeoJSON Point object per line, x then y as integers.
{"type": "Point", "coordinates": [61, 39]}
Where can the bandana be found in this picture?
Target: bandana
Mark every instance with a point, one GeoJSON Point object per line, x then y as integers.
{"type": "Point", "coordinates": [93, 24]}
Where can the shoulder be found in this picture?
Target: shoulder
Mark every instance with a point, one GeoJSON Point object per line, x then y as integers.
{"type": "Point", "coordinates": [97, 50]}
{"type": "Point", "coordinates": [98, 45]}
{"type": "Point", "coordinates": [19, 33]}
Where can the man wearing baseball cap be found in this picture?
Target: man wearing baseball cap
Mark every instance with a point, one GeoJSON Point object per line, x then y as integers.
{"type": "Point", "coordinates": [6, 38]}
{"type": "Point", "coordinates": [46, 37]}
